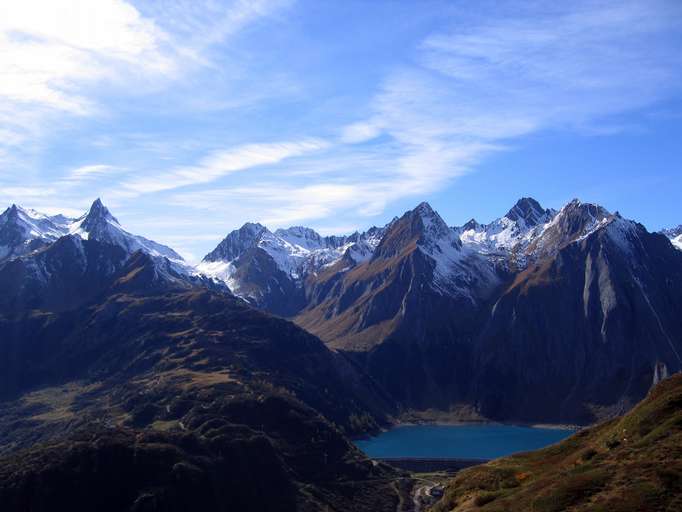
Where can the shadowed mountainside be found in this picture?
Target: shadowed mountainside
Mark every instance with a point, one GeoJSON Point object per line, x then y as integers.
{"type": "Point", "coordinates": [178, 389]}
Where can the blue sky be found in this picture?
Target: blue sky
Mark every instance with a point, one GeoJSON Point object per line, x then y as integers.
{"type": "Point", "coordinates": [190, 117]}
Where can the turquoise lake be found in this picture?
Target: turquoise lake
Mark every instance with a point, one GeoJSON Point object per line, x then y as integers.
{"type": "Point", "coordinates": [459, 441]}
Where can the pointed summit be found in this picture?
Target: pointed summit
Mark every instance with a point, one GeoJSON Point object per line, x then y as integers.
{"type": "Point", "coordinates": [432, 224]}
{"type": "Point", "coordinates": [528, 210]}
{"type": "Point", "coordinates": [99, 224]}
{"type": "Point", "coordinates": [96, 214]}
{"type": "Point", "coordinates": [471, 224]}
{"type": "Point", "coordinates": [424, 208]}
{"type": "Point", "coordinates": [574, 221]}
{"type": "Point", "coordinates": [422, 226]}
{"type": "Point", "coordinates": [237, 242]}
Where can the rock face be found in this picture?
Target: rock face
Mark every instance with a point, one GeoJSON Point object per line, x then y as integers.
{"type": "Point", "coordinates": [580, 335]}
{"type": "Point", "coordinates": [66, 273]}
{"type": "Point", "coordinates": [540, 315]}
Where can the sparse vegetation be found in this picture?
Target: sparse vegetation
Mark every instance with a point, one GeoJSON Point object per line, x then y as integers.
{"type": "Point", "coordinates": [629, 464]}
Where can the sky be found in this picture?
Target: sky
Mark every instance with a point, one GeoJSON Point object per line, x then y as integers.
{"type": "Point", "coordinates": [190, 117]}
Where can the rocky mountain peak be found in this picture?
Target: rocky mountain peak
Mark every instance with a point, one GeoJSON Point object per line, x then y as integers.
{"type": "Point", "coordinates": [12, 211]}
{"type": "Point", "coordinates": [97, 214]}
{"type": "Point", "coordinates": [422, 225]}
{"type": "Point", "coordinates": [471, 224]}
{"type": "Point", "coordinates": [300, 232]}
{"type": "Point", "coordinates": [574, 221]}
{"type": "Point", "coordinates": [528, 210]}
{"type": "Point", "coordinates": [237, 242]}
{"type": "Point", "coordinates": [577, 216]}
{"type": "Point", "coordinates": [432, 224]}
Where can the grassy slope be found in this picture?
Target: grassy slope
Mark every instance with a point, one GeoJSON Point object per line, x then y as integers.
{"type": "Point", "coordinates": [632, 463]}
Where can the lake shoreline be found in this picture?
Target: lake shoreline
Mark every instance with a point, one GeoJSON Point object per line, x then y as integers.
{"type": "Point", "coordinates": [415, 419]}
{"type": "Point", "coordinates": [459, 440]}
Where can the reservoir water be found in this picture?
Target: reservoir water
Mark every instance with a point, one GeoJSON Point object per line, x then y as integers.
{"type": "Point", "coordinates": [459, 441]}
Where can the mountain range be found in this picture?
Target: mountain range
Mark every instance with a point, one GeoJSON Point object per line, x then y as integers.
{"type": "Point", "coordinates": [132, 380]}
{"type": "Point", "coordinates": [540, 315]}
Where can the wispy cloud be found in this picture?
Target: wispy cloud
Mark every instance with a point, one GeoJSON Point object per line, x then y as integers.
{"type": "Point", "coordinates": [221, 163]}
{"type": "Point", "coordinates": [472, 89]}
{"type": "Point", "coordinates": [482, 84]}
{"type": "Point", "coordinates": [90, 172]}
{"type": "Point", "coordinates": [57, 57]}
{"type": "Point", "coordinates": [153, 80]}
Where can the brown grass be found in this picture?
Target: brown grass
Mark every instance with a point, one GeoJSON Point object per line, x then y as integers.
{"type": "Point", "coordinates": [633, 463]}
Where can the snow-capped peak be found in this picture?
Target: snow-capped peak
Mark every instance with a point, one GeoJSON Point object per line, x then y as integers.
{"type": "Point", "coordinates": [471, 224]}
{"type": "Point", "coordinates": [509, 234]}
{"type": "Point", "coordinates": [529, 211]}
{"type": "Point", "coordinates": [99, 224]}
{"type": "Point", "coordinates": [237, 242]}
{"type": "Point", "coordinates": [23, 230]}
{"type": "Point", "coordinates": [97, 214]}
{"type": "Point", "coordinates": [94, 222]}
{"type": "Point", "coordinates": [302, 236]}
{"type": "Point", "coordinates": [297, 251]}
{"type": "Point", "coordinates": [434, 227]}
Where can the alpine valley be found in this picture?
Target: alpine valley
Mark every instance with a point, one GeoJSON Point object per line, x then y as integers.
{"type": "Point", "coordinates": [132, 380]}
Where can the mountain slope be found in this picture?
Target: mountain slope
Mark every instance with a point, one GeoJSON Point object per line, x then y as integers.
{"type": "Point", "coordinates": [565, 317]}
{"type": "Point", "coordinates": [71, 272]}
{"type": "Point", "coordinates": [627, 464]}
{"type": "Point", "coordinates": [212, 393]}
{"type": "Point", "coordinates": [64, 274]}
{"type": "Point", "coordinates": [406, 313]}
{"type": "Point", "coordinates": [581, 334]}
